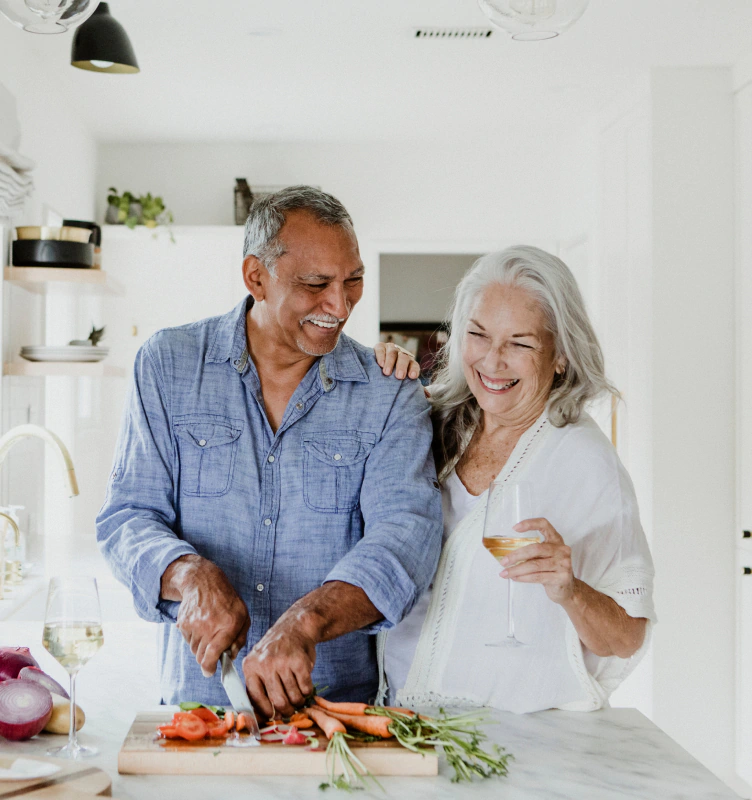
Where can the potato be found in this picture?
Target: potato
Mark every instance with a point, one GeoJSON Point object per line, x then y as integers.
{"type": "Point", "coordinates": [60, 719]}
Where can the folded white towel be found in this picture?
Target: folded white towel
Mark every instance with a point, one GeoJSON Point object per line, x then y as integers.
{"type": "Point", "coordinates": [16, 160]}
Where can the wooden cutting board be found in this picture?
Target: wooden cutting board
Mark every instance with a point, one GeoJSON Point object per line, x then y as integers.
{"type": "Point", "coordinates": [144, 753]}
{"type": "Point", "coordinates": [76, 780]}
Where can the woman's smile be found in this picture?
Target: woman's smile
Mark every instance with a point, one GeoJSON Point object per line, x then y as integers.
{"type": "Point", "coordinates": [497, 385]}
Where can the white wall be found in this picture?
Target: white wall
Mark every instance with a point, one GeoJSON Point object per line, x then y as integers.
{"type": "Point", "coordinates": [664, 240]}
{"type": "Point", "coordinates": [65, 154]}
{"type": "Point", "coordinates": [693, 420]}
{"type": "Point", "coordinates": [743, 114]}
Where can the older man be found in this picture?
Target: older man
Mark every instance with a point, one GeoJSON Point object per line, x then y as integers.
{"type": "Point", "coordinates": [273, 492]}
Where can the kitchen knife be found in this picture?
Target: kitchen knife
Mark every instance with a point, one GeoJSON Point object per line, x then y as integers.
{"type": "Point", "coordinates": [238, 695]}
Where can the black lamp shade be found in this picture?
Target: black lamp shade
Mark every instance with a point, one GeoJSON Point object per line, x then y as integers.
{"type": "Point", "coordinates": [101, 45]}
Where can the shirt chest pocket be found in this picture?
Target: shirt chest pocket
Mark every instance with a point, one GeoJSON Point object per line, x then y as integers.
{"type": "Point", "coordinates": [333, 467]}
{"type": "Point", "coordinates": [207, 446]}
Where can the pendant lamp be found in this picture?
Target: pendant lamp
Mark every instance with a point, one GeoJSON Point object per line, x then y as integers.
{"type": "Point", "coordinates": [533, 20]}
{"type": "Point", "coordinates": [102, 45]}
{"type": "Point", "coordinates": [47, 16]}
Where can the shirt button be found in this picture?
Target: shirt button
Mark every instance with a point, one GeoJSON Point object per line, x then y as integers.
{"type": "Point", "coordinates": [271, 459]}
{"type": "Point", "coordinates": [202, 442]}
{"type": "Point", "coordinates": [259, 587]}
{"type": "Point", "coordinates": [337, 457]}
{"type": "Point", "coordinates": [299, 406]}
{"type": "Point", "coordinates": [267, 521]}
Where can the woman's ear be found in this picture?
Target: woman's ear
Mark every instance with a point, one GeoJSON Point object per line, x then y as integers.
{"type": "Point", "coordinates": [561, 367]}
{"type": "Point", "coordinates": [254, 277]}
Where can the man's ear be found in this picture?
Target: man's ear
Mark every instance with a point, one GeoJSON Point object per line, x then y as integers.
{"type": "Point", "coordinates": [255, 277]}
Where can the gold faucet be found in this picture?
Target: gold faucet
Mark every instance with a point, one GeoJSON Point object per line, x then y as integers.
{"type": "Point", "coordinates": [12, 564]}
{"type": "Point", "coordinates": [7, 441]}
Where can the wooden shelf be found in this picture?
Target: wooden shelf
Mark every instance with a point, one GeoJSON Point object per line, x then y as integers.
{"type": "Point", "coordinates": [38, 279]}
{"type": "Point", "coordinates": [75, 369]}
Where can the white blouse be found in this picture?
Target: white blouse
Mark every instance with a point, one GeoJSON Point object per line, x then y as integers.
{"type": "Point", "coordinates": [438, 656]}
{"type": "Point", "coordinates": [456, 503]}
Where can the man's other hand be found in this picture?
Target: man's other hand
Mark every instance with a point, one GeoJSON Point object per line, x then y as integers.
{"type": "Point", "coordinates": [278, 669]}
{"type": "Point", "coordinates": [212, 616]}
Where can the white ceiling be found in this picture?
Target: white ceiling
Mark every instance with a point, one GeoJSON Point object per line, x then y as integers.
{"type": "Point", "coordinates": [240, 70]}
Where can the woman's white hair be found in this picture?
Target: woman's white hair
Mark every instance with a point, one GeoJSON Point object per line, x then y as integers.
{"type": "Point", "coordinates": [549, 280]}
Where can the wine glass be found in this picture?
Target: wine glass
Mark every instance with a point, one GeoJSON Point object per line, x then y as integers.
{"type": "Point", "coordinates": [72, 634]}
{"type": "Point", "coordinates": [507, 505]}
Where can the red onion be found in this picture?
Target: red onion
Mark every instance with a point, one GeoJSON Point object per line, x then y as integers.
{"type": "Point", "coordinates": [36, 675]}
{"type": "Point", "coordinates": [13, 660]}
{"type": "Point", "coordinates": [25, 708]}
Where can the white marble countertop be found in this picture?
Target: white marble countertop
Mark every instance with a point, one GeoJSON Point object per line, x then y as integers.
{"type": "Point", "coordinates": [609, 754]}
{"type": "Point", "coordinates": [604, 755]}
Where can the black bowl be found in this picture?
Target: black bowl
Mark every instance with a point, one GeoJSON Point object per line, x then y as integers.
{"type": "Point", "coordinates": [50, 253]}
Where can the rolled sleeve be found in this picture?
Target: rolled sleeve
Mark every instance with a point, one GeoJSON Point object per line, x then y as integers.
{"type": "Point", "coordinates": [135, 526]}
{"type": "Point", "coordinates": [396, 558]}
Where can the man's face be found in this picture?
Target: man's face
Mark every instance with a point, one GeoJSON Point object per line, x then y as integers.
{"type": "Point", "coordinates": [315, 286]}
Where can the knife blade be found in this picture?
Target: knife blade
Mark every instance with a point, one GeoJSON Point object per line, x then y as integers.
{"type": "Point", "coordinates": [238, 695]}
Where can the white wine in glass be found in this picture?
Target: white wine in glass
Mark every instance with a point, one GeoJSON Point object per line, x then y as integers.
{"type": "Point", "coordinates": [507, 505]}
{"type": "Point", "coordinates": [72, 634]}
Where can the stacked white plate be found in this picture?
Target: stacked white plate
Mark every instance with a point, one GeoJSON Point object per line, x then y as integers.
{"type": "Point", "coordinates": [64, 353]}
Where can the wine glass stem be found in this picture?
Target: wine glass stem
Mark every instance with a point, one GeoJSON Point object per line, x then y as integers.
{"type": "Point", "coordinates": [72, 740]}
{"type": "Point", "coordinates": [510, 617]}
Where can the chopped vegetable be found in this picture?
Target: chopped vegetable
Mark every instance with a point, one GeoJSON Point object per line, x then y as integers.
{"type": "Point", "coordinates": [204, 713]}
{"type": "Point", "coordinates": [25, 708]}
{"type": "Point", "coordinates": [191, 728]}
{"type": "Point", "coordinates": [357, 709]}
{"type": "Point", "coordinates": [169, 732]}
{"type": "Point", "coordinates": [294, 737]}
{"type": "Point", "coordinates": [189, 706]}
{"type": "Point", "coordinates": [37, 676]}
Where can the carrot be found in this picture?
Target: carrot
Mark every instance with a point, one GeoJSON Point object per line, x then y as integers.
{"type": "Point", "coordinates": [376, 726]}
{"type": "Point", "coordinates": [229, 720]}
{"type": "Point", "coordinates": [240, 722]}
{"type": "Point", "coordinates": [328, 724]}
{"type": "Point", "coordinates": [353, 709]}
{"type": "Point", "coordinates": [300, 724]}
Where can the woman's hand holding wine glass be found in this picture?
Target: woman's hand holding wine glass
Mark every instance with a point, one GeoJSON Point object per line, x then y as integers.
{"type": "Point", "coordinates": [548, 562]}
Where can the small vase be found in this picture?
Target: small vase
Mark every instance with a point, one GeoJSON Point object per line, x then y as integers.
{"type": "Point", "coordinates": [111, 217]}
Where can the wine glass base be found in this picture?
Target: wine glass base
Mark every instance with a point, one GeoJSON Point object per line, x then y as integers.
{"type": "Point", "coordinates": [508, 642]}
{"type": "Point", "coordinates": [75, 751]}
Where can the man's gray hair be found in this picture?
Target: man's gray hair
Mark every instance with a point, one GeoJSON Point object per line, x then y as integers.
{"type": "Point", "coordinates": [267, 216]}
{"type": "Point", "coordinates": [549, 280]}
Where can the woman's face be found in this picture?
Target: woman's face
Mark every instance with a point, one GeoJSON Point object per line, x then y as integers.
{"type": "Point", "coordinates": [508, 355]}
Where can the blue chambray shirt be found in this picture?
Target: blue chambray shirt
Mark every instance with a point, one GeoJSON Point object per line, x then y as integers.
{"type": "Point", "coordinates": [345, 490]}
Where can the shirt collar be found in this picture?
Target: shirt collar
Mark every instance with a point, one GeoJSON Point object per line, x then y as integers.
{"type": "Point", "coordinates": [230, 344]}
{"type": "Point", "coordinates": [230, 339]}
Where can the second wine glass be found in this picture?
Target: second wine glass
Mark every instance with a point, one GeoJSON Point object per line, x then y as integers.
{"type": "Point", "coordinates": [72, 634]}
{"type": "Point", "coordinates": [507, 505]}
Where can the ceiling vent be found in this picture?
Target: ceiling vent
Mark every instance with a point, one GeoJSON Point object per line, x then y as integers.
{"type": "Point", "coordinates": [453, 33]}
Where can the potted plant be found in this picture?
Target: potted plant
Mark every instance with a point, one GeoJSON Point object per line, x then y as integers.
{"type": "Point", "coordinates": [128, 209]}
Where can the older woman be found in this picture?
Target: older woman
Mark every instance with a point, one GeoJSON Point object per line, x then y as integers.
{"type": "Point", "coordinates": [509, 402]}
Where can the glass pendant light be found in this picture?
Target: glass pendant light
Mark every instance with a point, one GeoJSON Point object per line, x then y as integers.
{"type": "Point", "coordinates": [533, 20]}
{"type": "Point", "coordinates": [102, 45]}
{"type": "Point", "coordinates": [47, 16]}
